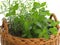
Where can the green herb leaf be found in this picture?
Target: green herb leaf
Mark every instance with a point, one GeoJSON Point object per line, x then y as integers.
{"type": "Point", "coordinates": [53, 30]}
{"type": "Point", "coordinates": [36, 5]}
{"type": "Point", "coordinates": [43, 4]}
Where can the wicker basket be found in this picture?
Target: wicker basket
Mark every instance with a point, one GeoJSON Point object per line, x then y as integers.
{"type": "Point", "coordinates": [8, 39]}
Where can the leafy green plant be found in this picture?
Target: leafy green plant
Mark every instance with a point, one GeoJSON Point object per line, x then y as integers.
{"type": "Point", "coordinates": [30, 22]}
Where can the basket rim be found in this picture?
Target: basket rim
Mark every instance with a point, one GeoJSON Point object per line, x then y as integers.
{"type": "Point", "coordinates": [54, 36]}
{"type": "Point", "coordinates": [41, 40]}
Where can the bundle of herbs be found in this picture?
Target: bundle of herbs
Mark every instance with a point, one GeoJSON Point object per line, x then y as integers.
{"type": "Point", "coordinates": [31, 22]}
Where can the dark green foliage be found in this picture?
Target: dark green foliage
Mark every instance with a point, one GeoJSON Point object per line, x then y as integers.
{"type": "Point", "coordinates": [32, 23]}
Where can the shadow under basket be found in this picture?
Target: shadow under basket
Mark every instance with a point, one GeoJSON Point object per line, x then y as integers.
{"type": "Point", "coordinates": [8, 39]}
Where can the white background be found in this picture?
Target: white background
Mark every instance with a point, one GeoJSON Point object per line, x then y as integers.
{"type": "Point", "coordinates": [53, 6]}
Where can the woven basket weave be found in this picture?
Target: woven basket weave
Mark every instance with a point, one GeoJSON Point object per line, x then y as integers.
{"type": "Point", "coordinates": [8, 39]}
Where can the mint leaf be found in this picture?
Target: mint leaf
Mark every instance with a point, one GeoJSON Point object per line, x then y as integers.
{"type": "Point", "coordinates": [53, 30]}
{"type": "Point", "coordinates": [43, 4]}
{"type": "Point", "coordinates": [36, 5]}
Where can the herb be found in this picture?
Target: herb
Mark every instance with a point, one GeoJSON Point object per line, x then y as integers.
{"type": "Point", "coordinates": [30, 22]}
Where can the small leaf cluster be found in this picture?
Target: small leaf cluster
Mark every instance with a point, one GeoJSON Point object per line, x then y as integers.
{"type": "Point", "coordinates": [32, 23]}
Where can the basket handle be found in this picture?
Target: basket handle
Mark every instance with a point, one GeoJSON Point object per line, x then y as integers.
{"type": "Point", "coordinates": [5, 25]}
{"type": "Point", "coordinates": [55, 18]}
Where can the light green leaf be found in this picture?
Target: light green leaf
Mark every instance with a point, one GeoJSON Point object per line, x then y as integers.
{"type": "Point", "coordinates": [43, 4]}
{"type": "Point", "coordinates": [53, 30]}
{"type": "Point", "coordinates": [36, 5]}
